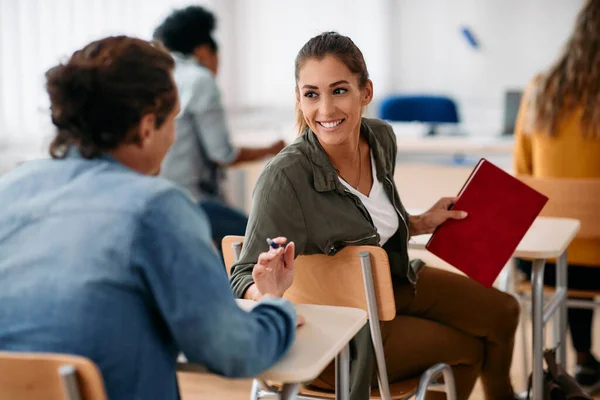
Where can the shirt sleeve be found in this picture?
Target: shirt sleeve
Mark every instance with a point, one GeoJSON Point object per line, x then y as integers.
{"type": "Point", "coordinates": [275, 211]}
{"type": "Point", "coordinates": [209, 120]}
{"type": "Point", "coordinates": [522, 157]}
{"type": "Point", "coordinates": [189, 287]}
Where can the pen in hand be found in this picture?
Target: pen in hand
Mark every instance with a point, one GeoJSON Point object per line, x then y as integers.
{"type": "Point", "coordinates": [271, 243]}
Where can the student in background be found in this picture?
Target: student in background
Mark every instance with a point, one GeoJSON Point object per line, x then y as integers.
{"type": "Point", "coordinates": [101, 259]}
{"type": "Point", "coordinates": [557, 135]}
{"type": "Point", "coordinates": [202, 147]}
{"type": "Point", "coordinates": [334, 187]}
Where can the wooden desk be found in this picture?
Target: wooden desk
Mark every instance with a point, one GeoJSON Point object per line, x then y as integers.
{"type": "Point", "coordinates": [547, 238]}
{"type": "Point", "coordinates": [463, 145]}
{"type": "Point", "coordinates": [323, 337]}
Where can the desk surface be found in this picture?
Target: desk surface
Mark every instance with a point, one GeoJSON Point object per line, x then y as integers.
{"type": "Point", "coordinates": [547, 238]}
{"type": "Point", "coordinates": [326, 331]}
{"type": "Point", "coordinates": [456, 144]}
{"type": "Point", "coordinates": [408, 142]}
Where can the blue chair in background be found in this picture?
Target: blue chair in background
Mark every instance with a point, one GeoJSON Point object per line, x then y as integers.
{"type": "Point", "coordinates": [428, 109]}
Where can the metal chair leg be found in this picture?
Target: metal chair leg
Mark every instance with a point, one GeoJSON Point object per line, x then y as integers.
{"type": "Point", "coordinates": [432, 373]}
{"type": "Point", "coordinates": [524, 337]}
{"type": "Point", "coordinates": [69, 382]}
{"type": "Point", "coordinates": [537, 305]}
{"type": "Point", "coordinates": [254, 390]}
{"type": "Point", "coordinates": [384, 386]}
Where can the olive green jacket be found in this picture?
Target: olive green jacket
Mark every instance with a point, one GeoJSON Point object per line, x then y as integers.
{"type": "Point", "coordinates": [299, 196]}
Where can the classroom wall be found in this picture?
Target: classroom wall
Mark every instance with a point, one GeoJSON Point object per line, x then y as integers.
{"type": "Point", "coordinates": [518, 39]}
{"type": "Point", "coordinates": [271, 32]}
{"type": "Point", "coordinates": [410, 46]}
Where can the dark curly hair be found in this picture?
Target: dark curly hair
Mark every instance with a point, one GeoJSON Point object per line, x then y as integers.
{"type": "Point", "coordinates": [187, 28]}
{"type": "Point", "coordinates": [99, 96]}
{"type": "Point", "coordinates": [573, 82]}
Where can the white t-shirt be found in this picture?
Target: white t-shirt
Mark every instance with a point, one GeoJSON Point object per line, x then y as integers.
{"type": "Point", "coordinates": [380, 207]}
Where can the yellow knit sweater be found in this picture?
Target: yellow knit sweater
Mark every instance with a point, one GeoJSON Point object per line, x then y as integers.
{"type": "Point", "coordinates": [567, 155]}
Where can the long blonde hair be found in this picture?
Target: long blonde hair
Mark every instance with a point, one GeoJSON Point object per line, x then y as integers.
{"type": "Point", "coordinates": [574, 80]}
{"type": "Point", "coordinates": [330, 43]}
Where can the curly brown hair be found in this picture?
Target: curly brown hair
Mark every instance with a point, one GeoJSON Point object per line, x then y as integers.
{"type": "Point", "coordinates": [573, 82]}
{"type": "Point", "coordinates": [99, 96]}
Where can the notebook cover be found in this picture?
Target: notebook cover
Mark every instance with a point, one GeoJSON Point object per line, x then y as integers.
{"type": "Point", "coordinates": [501, 210]}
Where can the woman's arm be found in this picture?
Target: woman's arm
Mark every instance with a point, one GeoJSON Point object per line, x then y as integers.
{"type": "Point", "coordinates": [275, 212]}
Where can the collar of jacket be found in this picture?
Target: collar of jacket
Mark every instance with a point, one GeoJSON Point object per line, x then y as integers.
{"type": "Point", "coordinates": [325, 175]}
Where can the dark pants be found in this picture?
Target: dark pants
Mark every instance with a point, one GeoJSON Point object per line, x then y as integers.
{"type": "Point", "coordinates": [580, 319]}
{"type": "Point", "coordinates": [454, 320]}
{"type": "Point", "coordinates": [224, 220]}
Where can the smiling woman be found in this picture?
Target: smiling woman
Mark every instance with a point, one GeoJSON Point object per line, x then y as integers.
{"type": "Point", "coordinates": [333, 187]}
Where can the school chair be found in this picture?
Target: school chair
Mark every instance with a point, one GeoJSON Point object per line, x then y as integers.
{"type": "Point", "coordinates": [568, 198]}
{"type": "Point", "coordinates": [357, 276]}
{"type": "Point", "coordinates": [33, 376]}
{"type": "Point", "coordinates": [424, 108]}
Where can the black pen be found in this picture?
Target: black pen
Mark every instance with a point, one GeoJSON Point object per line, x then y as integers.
{"type": "Point", "coordinates": [272, 244]}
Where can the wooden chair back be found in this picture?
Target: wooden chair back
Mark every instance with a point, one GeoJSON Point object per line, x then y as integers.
{"type": "Point", "coordinates": [33, 376]}
{"type": "Point", "coordinates": [571, 198]}
{"type": "Point", "coordinates": [336, 280]}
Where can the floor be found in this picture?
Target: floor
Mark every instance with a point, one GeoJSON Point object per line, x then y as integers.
{"type": "Point", "coordinates": [205, 387]}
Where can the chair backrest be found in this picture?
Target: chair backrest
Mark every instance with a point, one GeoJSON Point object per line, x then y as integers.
{"type": "Point", "coordinates": [571, 198]}
{"type": "Point", "coordinates": [229, 246]}
{"type": "Point", "coordinates": [32, 376]}
{"type": "Point", "coordinates": [336, 280]}
{"type": "Point", "coordinates": [431, 109]}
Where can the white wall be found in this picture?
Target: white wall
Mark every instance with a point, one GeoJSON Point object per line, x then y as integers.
{"type": "Point", "coordinates": [271, 32]}
{"type": "Point", "coordinates": [518, 39]}
{"type": "Point", "coordinates": [38, 34]}
{"type": "Point", "coordinates": [411, 46]}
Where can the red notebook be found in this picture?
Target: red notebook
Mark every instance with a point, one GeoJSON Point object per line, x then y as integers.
{"type": "Point", "coordinates": [501, 209]}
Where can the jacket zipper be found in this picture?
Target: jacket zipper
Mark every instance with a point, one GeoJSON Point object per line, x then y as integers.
{"type": "Point", "coordinates": [351, 242]}
{"type": "Point", "coordinates": [332, 248]}
{"type": "Point", "coordinates": [360, 206]}
{"type": "Point", "coordinates": [414, 284]}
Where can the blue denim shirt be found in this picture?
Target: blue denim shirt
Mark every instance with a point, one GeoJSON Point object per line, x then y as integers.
{"type": "Point", "coordinates": [101, 261]}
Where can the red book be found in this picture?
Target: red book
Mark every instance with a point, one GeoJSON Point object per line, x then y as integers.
{"type": "Point", "coordinates": [500, 210]}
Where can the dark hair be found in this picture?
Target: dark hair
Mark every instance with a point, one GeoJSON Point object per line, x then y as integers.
{"type": "Point", "coordinates": [99, 96]}
{"type": "Point", "coordinates": [187, 28]}
{"type": "Point", "coordinates": [334, 44]}
{"type": "Point", "coordinates": [574, 80]}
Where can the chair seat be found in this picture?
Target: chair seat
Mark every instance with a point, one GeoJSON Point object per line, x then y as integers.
{"type": "Point", "coordinates": [525, 287]}
{"type": "Point", "coordinates": [398, 390]}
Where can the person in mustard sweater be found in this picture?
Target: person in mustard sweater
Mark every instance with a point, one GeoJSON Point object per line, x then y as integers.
{"type": "Point", "coordinates": [557, 135]}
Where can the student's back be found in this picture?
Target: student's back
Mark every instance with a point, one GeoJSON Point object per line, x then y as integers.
{"type": "Point", "coordinates": [68, 231]}
{"type": "Point", "coordinates": [568, 154]}
{"type": "Point", "coordinates": [99, 258]}
{"type": "Point", "coordinates": [557, 135]}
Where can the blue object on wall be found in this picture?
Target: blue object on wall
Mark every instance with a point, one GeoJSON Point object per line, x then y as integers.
{"type": "Point", "coordinates": [470, 37]}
